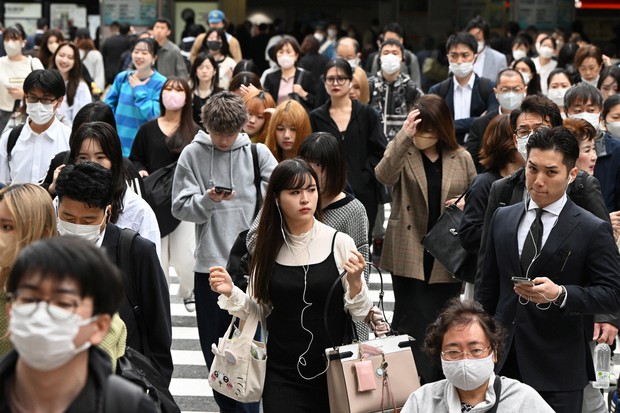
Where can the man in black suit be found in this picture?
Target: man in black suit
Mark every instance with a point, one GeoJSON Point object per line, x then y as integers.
{"type": "Point", "coordinates": [84, 205]}
{"type": "Point", "coordinates": [112, 49]}
{"type": "Point", "coordinates": [572, 260]}
{"type": "Point", "coordinates": [468, 96]}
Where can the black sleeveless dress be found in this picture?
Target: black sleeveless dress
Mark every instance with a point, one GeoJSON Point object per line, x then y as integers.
{"type": "Point", "coordinates": [285, 390]}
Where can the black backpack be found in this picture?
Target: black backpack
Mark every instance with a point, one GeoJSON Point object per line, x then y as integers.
{"type": "Point", "coordinates": [158, 194]}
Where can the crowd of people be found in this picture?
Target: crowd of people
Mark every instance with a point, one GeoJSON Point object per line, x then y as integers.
{"type": "Point", "coordinates": [295, 143]}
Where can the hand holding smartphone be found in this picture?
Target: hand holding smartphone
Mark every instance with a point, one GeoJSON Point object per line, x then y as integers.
{"type": "Point", "coordinates": [522, 281]}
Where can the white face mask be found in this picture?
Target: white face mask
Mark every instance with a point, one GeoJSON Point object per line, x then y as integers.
{"type": "Point", "coordinates": [286, 61]}
{"type": "Point", "coordinates": [518, 54]}
{"type": "Point", "coordinates": [40, 113]}
{"type": "Point", "coordinates": [90, 233]}
{"type": "Point", "coordinates": [462, 69]}
{"type": "Point", "coordinates": [353, 63]}
{"type": "Point", "coordinates": [390, 63]}
{"type": "Point", "coordinates": [331, 33]}
{"type": "Point", "coordinates": [12, 47]}
{"type": "Point", "coordinates": [522, 145]}
{"type": "Point", "coordinates": [510, 100]}
{"type": "Point", "coordinates": [546, 52]}
{"type": "Point", "coordinates": [593, 82]}
{"type": "Point", "coordinates": [557, 96]}
{"type": "Point", "coordinates": [41, 341]}
{"type": "Point", "coordinates": [526, 78]}
{"type": "Point", "coordinates": [592, 118]}
{"type": "Point", "coordinates": [468, 374]}
{"type": "Point", "coordinates": [319, 37]}
{"type": "Point", "coordinates": [613, 128]}
{"type": "Point", "coordinates": [480, 46]}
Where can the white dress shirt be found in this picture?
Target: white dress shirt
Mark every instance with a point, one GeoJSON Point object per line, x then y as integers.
{"type": "Point", "coordinates": [462, 98]}
{"type": "Point", "coordinates": [479, 64]}
{"type": "Point", "coordinates": [549, 218]}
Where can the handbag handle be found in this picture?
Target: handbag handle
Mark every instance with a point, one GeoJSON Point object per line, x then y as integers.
{"type": "Point", "coordinates": [331, 293]}
{"type": "Point", "coordinates": [461, 196]}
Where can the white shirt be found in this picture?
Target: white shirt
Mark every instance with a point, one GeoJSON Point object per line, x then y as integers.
{"type": "Point", "coordinates": [549, 218]}
{"type": "Point", "coordinates": [543, 72]}
{"type": "Point", "coordinates": [462, 98]}
{"type": "Point", "coordinates": [82, 98]}
{"type": "Point", "coordinates": [479, 64]}
{"type": "Point", "coordinates": [138, 215]}
{"type": "Point", "coordinates": [32, 153]}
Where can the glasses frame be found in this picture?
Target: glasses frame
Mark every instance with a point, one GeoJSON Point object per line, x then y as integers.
{"type": "Point", "coordinates": [13, 298]}
{"type": "Point", "coordinates": [521, 135]}
{"type": "Point", "coordinates": [34, 99]}
{"type": "Point", "coordinates": [338, 80]}
{"type": "Point", "coordinates": [461, 354]}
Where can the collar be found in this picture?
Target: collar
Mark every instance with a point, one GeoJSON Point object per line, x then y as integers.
{"type": "Point", "coordinates": [49, 132]}
{"type": "Point", "coordinates": [470, 82]}
{"type": "Point", "coordinates": [554, 208]}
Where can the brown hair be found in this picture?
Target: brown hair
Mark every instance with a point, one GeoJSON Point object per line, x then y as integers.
{"type": "Point", "coordinates": [187, 128]}
{"type": "Point", "coordinates": [360, 77]}
{"type": "Point", "coordinates": [462, 313]}
{"type": "Point", "coordinates": [582, 129]}
{"type": "Point", "coordinates": [588, 51]}
{"type": "Point", "coordinates": [436, 118]}
{"type": "Point", "coordinates": [292, 113]}
{"type": "Point", "coordinates": [75, 75]}
{"type": "Point", "coordinates": [498, 148]}
{"type": "Point", "coordinates": [258, 101]}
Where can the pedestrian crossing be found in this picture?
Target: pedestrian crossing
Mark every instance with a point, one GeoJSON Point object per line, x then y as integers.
{"type": "Point", "coordinates": [189, 381]}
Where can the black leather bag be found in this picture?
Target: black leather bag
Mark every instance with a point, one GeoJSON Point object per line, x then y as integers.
{"type": "Point", "coordinates": [443, 243]}
{"type": "Point", "coordinates": [158, 194]}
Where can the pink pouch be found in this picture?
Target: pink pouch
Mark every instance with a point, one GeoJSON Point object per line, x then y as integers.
{"type": "Point", "coordinates": [365, 377]}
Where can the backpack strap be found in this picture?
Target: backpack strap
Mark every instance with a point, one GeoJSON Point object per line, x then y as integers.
{"type": "Point", "coordinates": [13, 136]}
{"type": "Point", "coordinates": [122, 396]}
{"type": "Point", "coordinates": [497, 388]}
{"type": "Point", "coordinates": [257, 179]}
{"type": "Point", "coordinates": [124, 254]}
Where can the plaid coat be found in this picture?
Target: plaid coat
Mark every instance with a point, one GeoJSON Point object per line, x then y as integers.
{"type": "Point", "coordinates": [402, 167]}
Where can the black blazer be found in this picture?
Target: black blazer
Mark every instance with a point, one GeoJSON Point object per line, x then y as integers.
{"type": "Point", "coordinates": [152, 295]}
{"type": "Point", "coordinates": [473, 144]}
{"type": "Point", "coordinates": [581, 254]}
{"type": "Point", "coordinates": [302, 77]}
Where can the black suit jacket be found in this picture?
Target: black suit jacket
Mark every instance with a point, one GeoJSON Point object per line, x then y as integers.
{"type": "Point", "coordinates": [302, 78]}
{"type": "Point", "coordinates": [152, 295]}
{"type": "Point", "coordinates": [476, 133]}
{"type": "Point", "coordinates": [581, 254]}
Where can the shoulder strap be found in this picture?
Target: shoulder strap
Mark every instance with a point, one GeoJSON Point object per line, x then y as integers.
{"type": "Point", "coordinates": [443, 88]}
{"type": "Point", "coordinates": [497, 387]}
{"type": "Point", "coordinates": [121, 395]}
{"type": "Point", "coordinates": [257, 179]}
{"type": "Point", "coordinates": [124, 254]}
{"type": "Point", "coordinates": [13, 136]}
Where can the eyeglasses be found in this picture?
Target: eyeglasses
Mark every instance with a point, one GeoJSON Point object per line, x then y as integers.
{"type": "Point", "coordinates": [339, 80]}
{"type": "Point", "coordinates": [60, 307]}
{"type": "Point", "coordinates": [476, 353]}
{"type": "Point", "coordinates": [523, 132]}
{"type": "Point", "coordinates": [45, 100]}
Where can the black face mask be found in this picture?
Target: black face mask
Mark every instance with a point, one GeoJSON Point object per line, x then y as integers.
{"type": "Point", "coordinates": [214, 45]}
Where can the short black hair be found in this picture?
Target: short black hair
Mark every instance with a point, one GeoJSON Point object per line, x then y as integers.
{"type": "Point", "coordinates": [393, 42]}
{"type": "Point", "coordinates": [323, 148]}
{"type": "Point", "coordinates": [88, 182]}
{"type": "Point", "coordinates": [478, 23]}
{"type": "Point", "coordinates": [540, 105]}
{"type": "Point", "coordinates": [611, 102]}
{"type": "Point", "coordinates": [164, 20]}
{"type": "Point", "coordinates": [124, 28]}
{"type": "Point", "coordinates": [41, 23]}
{"type": "Point", "coordinates": [558, 139]}
{"type": "Point", "coordinates": [583, 93]}
{"type": "Point", "coordinates": [70, 258]}
{"type": "Point", "coordinates": [463, 38]}
{"type": "Point", "coordinates": [48, 81]}
{"type": "Point", "coordinates": [340, 64]}
{"type": "Point", "coordinates": [558, 71]}
{"type": "Point", "coordinates": [151, 44]}
{"type": "Point", "coordinates": [394, 28]}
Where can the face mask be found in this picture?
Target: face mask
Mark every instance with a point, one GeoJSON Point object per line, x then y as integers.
{"type": "Point", "coordinates": [537, 47]}
{"type": "Point", "coordinates": [390, 64]}
{"type": "Point", "coordinates": [214, 45]}
{"type": "Point", "coordinates": [522, 145]}
{"type": "Point", "coordinates": [331, 33]}
{"type": "Point", "coordinates": [40, 113]}
{"type": "Point", "coordinates": [592, 118]}
{"type": "Point", "coordinates": [518, 54]}
{"type": "Point", "coordinates": [12, 48]}
{"type": "Point", "coordinates": [557, 96]}
{"type": "Point", "coordinates": [353, 63]}
{"type": "Point", "coordinates": [286, 62]}
{"type": "Point", "coordinates": [52, 47]}
{"type": "Point", "coordinates": [319, 37]}
{"type": "Point", "coordinates": [462, 69]}
{"type": "Point", "coordinates": [89, 233]}
{"type": "Point", "coordinates": [468, 374]}
{"type": "Point", "coordinates": [480, 46]}
{"type": "Point", "coordinates": [526, 78]}
{"type": "Point", "coordinates": [423, 143]}
{"type": "Point", "coordinates": [613, 128]}
{"type": "Point", "coordinates": [8, 248]}
{"type": "Point", "coordinates": [173, 100]}
{"type": "Point", "coordinates": [43, 342]}
{"type": "Point", "coordinates": [546, 52]}
{"type": "Point", "coordinates": [510, 100]}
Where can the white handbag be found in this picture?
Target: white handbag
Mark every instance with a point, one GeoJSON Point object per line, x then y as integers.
{"type": "Point", "coordinates": [240, 363]}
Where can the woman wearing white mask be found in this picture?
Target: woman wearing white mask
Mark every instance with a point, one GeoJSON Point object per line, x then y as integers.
{"type": "Point", "coordinates": [49, 43]}
{"type": "Point", "coordinates": [158, 144]}
{"type": "Point", "coordinates": [14, 67]}
{"type": "Point", "coordinates": [426, 167]}
{"type": "Point", "coordinates": [467, 342]}
{"type": "Point", "coordinates": [526, 66]}
{"type": "Point", "coordinates": [290, 81]}
{"type": "Point", "coordinates": [544, 61]}
{"type": "Point", "coordinates": [558, 83]}
{"type": "Point", "coordinates": [611, 116]}
{"type": "Point", "coordinates": [520, 47]}
{"type": "Point", "coordinates": [589, 63]}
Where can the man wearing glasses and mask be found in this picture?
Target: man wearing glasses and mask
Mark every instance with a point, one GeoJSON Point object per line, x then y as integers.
{"type": "Point", "coordinates": [26, 150]}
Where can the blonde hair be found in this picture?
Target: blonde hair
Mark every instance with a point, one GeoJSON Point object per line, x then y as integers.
{"type": "Point", "coordinates": [288, 113]}
{"type": "Point", "coordinates": [258, 101]}
{"type": "Point", "coordinates": [33, 212]}
{"type": "Point", "coordinates": [360, 77]}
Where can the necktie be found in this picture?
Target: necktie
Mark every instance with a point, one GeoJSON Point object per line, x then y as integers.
{"type": "Point", "coordinates": [532, 244]}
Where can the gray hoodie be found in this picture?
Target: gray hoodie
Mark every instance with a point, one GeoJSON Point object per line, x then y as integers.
{"type": "Point", "coordinates": [202, 166]}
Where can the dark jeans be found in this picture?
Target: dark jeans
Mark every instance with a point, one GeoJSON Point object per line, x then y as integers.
{"type": "Point", "coordinates": [212, 324]}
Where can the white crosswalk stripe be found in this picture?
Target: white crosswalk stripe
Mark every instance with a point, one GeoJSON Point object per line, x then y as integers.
{"type": "Point", "coordinates": [189, 382]}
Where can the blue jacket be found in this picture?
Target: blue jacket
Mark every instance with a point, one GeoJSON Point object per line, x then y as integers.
{"type": "Point", "coordinates": [607, 170]}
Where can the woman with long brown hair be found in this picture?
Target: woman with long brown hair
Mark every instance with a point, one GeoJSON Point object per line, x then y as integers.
{"type": "Point", "coordinates": [426, 168]}
{"type": "Point", "coordinates": [288, 127]}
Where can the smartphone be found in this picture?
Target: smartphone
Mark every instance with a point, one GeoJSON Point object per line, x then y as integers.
{"type": "Point", "coordinates": [223, 190]}
{"type": "Point", "coordinates": [522, 280]}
